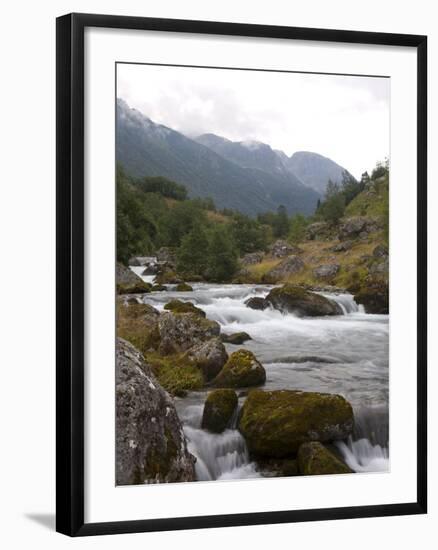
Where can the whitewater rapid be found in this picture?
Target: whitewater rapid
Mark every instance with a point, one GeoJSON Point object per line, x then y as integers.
{"type": "Point", "coordinates": [346, 354]}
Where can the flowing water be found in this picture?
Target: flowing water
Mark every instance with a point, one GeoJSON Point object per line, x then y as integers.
{"type": "Point", "coordinates": [346, 354]}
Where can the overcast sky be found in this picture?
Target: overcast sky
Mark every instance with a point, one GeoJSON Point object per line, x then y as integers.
{"type": "Point", "coordinates": [345, 118]}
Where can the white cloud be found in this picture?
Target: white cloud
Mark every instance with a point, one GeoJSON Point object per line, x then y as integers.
{"type": "Point", "coordinates": [344, 118]}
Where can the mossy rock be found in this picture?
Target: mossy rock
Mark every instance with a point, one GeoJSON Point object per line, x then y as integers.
{"type": "Point", "coordinates": [218, 410]}
{"type": "Point", "coordinates": [176, 373]}
{"type": "Point", "coordinates": [158, 288]}
{"type": "Point", "coordinates": [241, 370]}
{"type": "Point", "coordinates": [183, 287]}
{"type": "Point", "coordinates": [177, 306]}
{"type": "Point", "coordinates": [374, 297]}
{"type": "Point", "coordinates": [295, 299]}
{"type": "Point", "coordinates": [169, 277]}
{"type": "Point", "coordinates": [127, 282]}
{"type": "Point", "coordinates": [315, 459]}
{"type": "Point", "coordinates": [275, 423]}
{"type": "Point", "coordinates": [237, 338]}
{"type": "Point", "coordinates": [138, 323]}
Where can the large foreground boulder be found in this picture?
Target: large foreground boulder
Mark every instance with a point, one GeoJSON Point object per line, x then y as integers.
{"type": "Point", "coordinates": [127, 282]}
{"type": "Point", "coordinates": [209, 356]}
{"type": "Point", "coordinates": [275, 423]}
{"type": "Point", "coordinates": [150, 442]}
{"type": "Point", "coordinates": [241, 370]}
{"type": "Point", "coordinates": [315, 459]}
{"type": "Point", "coordinates": [181, 331]}
{"type": "Point", "coordinates": [294, 299]}
{"type": "Point", "coordinates": [218, 410]}
{"type": "Point", "coordinates": [289, 266]}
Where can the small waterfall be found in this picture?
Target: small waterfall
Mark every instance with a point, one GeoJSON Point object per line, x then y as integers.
{"type": "Point", "coordinates": [345, 301]}
{"type": "Point", "coordinates": [218, 456]}
{"type": "Point", "coordinates": [367, 449]}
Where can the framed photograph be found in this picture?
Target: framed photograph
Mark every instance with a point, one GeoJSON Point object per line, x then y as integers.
{"type": "Point", "coordinates": [241, 274]}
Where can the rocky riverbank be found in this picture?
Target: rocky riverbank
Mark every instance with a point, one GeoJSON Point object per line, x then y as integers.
{"type": "Point", "coordinates": [179, 350]}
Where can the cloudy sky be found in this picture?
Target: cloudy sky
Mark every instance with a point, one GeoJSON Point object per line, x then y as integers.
{"type": "Point", "coordinates": [345, 118]}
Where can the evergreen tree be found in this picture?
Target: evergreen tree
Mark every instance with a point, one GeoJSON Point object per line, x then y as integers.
{"type": "Point", "coordinates": [281, 223]}
{"type": "Point", "coordinates": [222, 257]}
{"type": "Point", "coordinates": [192, 254]}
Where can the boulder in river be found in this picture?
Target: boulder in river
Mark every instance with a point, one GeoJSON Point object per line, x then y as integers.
{"type": "Point", "coordinates": [315, 459]}
{"type": "Point", "coordinates": [183, 287]}
{"type": "Point", "coordinates": [150, 442]}
{"type": "Point", "coordinates": [218, 410]}
{"type": "Point", "coordinates": [181, 331]}
{"type": "Point", "coordinates": [289, 266]}
{"type": "Point", "coordinates": [128, 282]}
{"type": "Point", "coordinates": [275, 423]}
{"type": "Point", "coordinates": [209, 356]}
{"type": "Point", "coordinates": [294, 299]}
{"type": "Point", "coordinates": [241, 370]}
{"type": "Point", "coordinates": [177, 306]}
{"type": "Point", "coordinates": [374, 297]}
{"type": "Point", "coordinates": [257, 303]}
{"type": "Point", "coordinates": [236, 338]}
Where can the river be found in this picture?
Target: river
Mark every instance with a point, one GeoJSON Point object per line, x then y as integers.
{"type": "Point", "coordinates": [346, 354]}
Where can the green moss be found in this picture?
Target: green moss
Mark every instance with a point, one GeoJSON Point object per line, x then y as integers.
{"type": "Point", "coordinates": [315, 459]}
{"type": "Point", "coordinates": [137, 288]}
{"type": "Point", "coordinates": [218, 409]}
{"type": "Point", "coordinates": [276, 423]}
{"type": "Point", "coordinates": [183, 287]}
{"type": "Point", "coordinates": [241, 370]}
{"type": "Point", "coordinates": [176, 373]}
{"type": "Point", "coordinates": [177, 306]}
{"type": "Point", "coordinates": [138, 323]}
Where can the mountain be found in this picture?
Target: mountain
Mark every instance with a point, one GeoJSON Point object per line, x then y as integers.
{"type": "Point", "coordinates": [315, 170]}
{"type": "Point", "coordinates": [248, 154]}
{"type": "Point", "coordinates": [145, 148]}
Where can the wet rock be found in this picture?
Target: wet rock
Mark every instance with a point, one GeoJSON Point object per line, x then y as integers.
{"type": "Point", "coordinates": [278, 467]}
{"type": "Point", "coordinates": [237, 338]}
{"type": "Point", "coordinates": [289, 266]}
{"type": "Point", "coordinates": [257, 303]}
{"type": "Point", "coordinates": [209, 356]}
{"type": "Point", "coordinates": [326, 272]}
{"type": "Point", "coordinates": [275, 423]}
{"type": "Point", "coordinates": [181, 331]}
{"type": "Point", "coordinates": [374, 297]}
{"type": "Point", "coordinates": [150, 442]}
{"type": "Point", "coordinates": [158, 288]}
{"type": "Point", "coordinates": [315, 459]}
{"type": "Point", "coordinates": [183, 287]}
{"type": "Point", "coordinates": [218, 410]}
{"type": "Point", "coordinates": [127, 282]}
{"type": "Point", "coordinates": [294, 299]}
{"type": "Point", "coordinates": [177, 306]}
{"type": "Point", "coordinates": [241, 370]}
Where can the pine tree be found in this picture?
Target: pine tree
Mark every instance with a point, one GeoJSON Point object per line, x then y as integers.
{"type": "Point", "coordinates": [222, 258]}
{"type": "Point", "coordinates": [192, 254]}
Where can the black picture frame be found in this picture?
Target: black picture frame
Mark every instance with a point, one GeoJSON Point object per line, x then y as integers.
{"type": "Point", "coordinates": [70, 273]}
